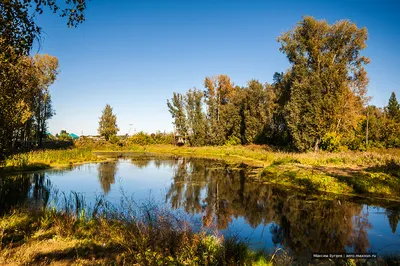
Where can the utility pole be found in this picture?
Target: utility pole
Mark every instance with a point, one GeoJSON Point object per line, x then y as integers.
{"type": "Point", "coordinates": [130, 127]}
{"type": "Point", "coordinates": [366, 133]}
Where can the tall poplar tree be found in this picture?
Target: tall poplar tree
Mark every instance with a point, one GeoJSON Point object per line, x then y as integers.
{"type": "Point", "coordinates": [255, 111]}
{"type": "Point", "coordinates": [176, 107]}
{"type": "Point", "coordinates": [196, 122]}
{"type": "Point", "coordinates": [47, 68]}
{"type": "Point", "coordinates": [219, 94]}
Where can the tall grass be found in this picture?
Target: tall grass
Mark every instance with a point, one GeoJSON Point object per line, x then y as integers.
{"type": "Point", "coordinates": [129, 234]}
{"type": "Point", "coordinates": [45, 158]}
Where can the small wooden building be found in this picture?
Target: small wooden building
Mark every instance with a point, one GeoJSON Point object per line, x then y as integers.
{"type": "Point", "coordinates": [180, 140]}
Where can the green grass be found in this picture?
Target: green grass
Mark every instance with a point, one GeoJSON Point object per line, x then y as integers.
{"type": "Point", "coordinates": [37, 160]}
{"type": "Point", "coordinates": [382, 181]}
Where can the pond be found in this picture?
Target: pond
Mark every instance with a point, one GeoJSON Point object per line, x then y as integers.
{"type": "Point", "coordinates": [219, 197]}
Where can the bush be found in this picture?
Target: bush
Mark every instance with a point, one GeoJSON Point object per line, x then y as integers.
{"type": "Point", "coordinates": [115, 140]}
{"type": "Point", "coordinates": [88, 143]}
{"type": "Point", "coordinates": [142, 138]}
{"type": "Point", "coordinates": [233, 141]}
{"type": "Point", "coordinates": [393, 142]}
{"type": "Point", "coordinates": [331, 142]}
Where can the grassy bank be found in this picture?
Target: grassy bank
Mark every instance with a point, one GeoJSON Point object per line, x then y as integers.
{"type": "Point", "coordinates": [38, 160]}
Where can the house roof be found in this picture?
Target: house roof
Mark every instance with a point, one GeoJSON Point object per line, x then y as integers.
{"type": "Point", "coordinates": [74, 136]}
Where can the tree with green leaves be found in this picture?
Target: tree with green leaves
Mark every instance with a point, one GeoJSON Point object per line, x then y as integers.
{"type": "Point", "coordinates": [64, 135]}
{"type": "Point", "coordinates": [196, 123]}
{"type": "Point", "coordinates": [177, 109]}
{"type": "Point", "coordinates": [255, 111]}
{"type": "Point", "coordinates": [393, 108]}
{"type": "Point", "coordinates": [18, 87]}
{"type": "Point", "coordinates": [276, 131]}
{"type": "Point", "coordinates": [219, 95]}
{"type": "Point", "coordinates": [23, 102]}
{"type": "Point", "coordinates": [329, 82]}
{"type": "Point", "coordinates": [108, 123]}
{"type": "Point", "coordinates": [47, 68]}
{"type": "Point", "coordinates": [18, 27]}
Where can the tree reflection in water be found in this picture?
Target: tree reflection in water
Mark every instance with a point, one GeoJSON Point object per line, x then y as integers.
{"type": "Point", "coordinates": [106, 174]}
{"type": "Point", "coordinates": [23, 189]}
{"type": "Point", "coordinates": [304, 224]}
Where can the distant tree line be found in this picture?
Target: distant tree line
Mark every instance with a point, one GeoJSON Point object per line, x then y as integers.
{"type": "Point", "coordinates": [319, 102]}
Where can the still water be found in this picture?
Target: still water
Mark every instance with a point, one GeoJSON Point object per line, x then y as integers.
{"type": "Point", "coordinates": [227, 200]}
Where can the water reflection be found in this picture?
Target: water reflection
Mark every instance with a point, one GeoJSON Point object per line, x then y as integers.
{"type": "Point", "coordinates": [141, 162]}
{"type": "Point", "coordinates": [22, 189]}
{"type": "Point", "coordinates": [394, 217]}
{"type": "Point", "coordinates": [106, 174]}
{"type": "Point", "coordinates": [302, 223]}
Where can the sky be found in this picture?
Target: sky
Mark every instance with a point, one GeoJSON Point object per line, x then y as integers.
{"type": "Point", "coordinates": [133, 54]}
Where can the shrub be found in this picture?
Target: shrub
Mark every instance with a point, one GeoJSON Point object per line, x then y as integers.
{"type": "Point", "coordinates": [142, 138]}
{"type": "Point", "coordinates": [233, 141]}
{"type": "Point", "coordinates": [331, 142]}
{"type": "Point", "coordinates": [115, 140]}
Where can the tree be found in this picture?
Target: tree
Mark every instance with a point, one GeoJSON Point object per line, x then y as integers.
{"type": "Point", "coordinates": [278, 93]}
{"type": "Point", "coordinates": [47, 68]}
{"type": "Point", "coordinates": [20, 82]}
{"type": "Point", "coordinates": [255, 111]}
{"type": "Point", "coordinates": [64, 135]}
{"type": "Point", "coordinates": [108, 123]}
{"type": "Point", "coordinates": [18, 87]}
{"type": "Point", "coordinates": [219, 94]}
{"type": "Point", "coordinates": [329, 82]}
{"type": "Point", "coordinates": [177, 109]}
{"type": "Point", "coordinates": [19, 29]}
{"type": "Point", "coordinates": [393, 108]}
{"type": "Point", "coordinates": [195, 117]}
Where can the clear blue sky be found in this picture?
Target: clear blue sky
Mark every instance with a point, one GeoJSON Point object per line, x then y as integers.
{"type": "Point", "coordinates": [134, 54]}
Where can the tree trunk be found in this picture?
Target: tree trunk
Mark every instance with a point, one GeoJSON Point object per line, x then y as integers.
{"type": "Point", "coordinates": [316, 146]}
